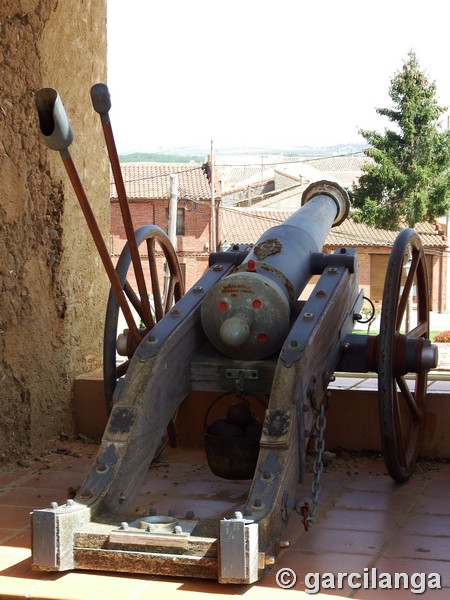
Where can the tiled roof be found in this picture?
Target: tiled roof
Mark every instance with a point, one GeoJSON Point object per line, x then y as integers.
{"type": "Point", "coordinates": [152, 181]}
{"type": "Point", "coordinates": [246, 225]}
{"type": "Point", "coordinates": [341, 164]}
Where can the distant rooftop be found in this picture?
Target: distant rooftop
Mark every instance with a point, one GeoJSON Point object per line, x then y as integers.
{"type": "Point", "coordinates": [151, 181]}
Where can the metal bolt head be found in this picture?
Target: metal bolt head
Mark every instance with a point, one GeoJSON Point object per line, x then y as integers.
{"type": "Point", "coordinates": [172, 512]}
{"type": "Point", "coordinates": [54, 505]}
{"type": "Point", "coordinates": [178, 529]}
{"type": "Point", "coordinates": [70, 502]}
{"type": "Point", "coordinates": [190, 514]}
{"type": "Point", "coordinates": [284, 544]}
{"type": "Point", "coordinates": [124, 525]}
{"type": "Point", "coordinates": [197, 289]}
{"type": "Point", "coordinates": [152, 512]}
{"type": "Point", "coordinates": [238, 515]}
{"type": "Point", "coordinates": [175, 312]}
{"type": "Point", "coordinates": [218, 268]}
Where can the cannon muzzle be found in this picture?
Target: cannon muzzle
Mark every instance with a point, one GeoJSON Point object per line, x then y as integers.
{"type": "Point", "coordinates": [53, 121]}
{"type": "Point", "coordinates": [247, 315]}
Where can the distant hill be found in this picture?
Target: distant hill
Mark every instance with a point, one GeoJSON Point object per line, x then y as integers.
{"type": "Point", "coordinates": [200, 155]}
{"type": "Point", "coordinates": [161, 158]}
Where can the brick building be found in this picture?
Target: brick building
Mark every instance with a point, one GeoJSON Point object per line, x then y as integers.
{"type": "Point", "coordinates": [148, 191]}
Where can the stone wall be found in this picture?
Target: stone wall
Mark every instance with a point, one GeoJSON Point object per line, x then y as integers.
{"type": "Point", "coordinates": [52, 284]}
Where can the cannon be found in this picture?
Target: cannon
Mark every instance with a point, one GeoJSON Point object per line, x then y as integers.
{"type": "Point", "coordinates": [242, 330]}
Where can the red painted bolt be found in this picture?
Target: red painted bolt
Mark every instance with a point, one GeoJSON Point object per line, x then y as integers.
{"type": "Point", "coordinates": [251, 266]}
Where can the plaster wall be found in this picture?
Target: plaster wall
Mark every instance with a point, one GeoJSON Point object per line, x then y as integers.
{"type": "Point", "coordinates": [52, 284]}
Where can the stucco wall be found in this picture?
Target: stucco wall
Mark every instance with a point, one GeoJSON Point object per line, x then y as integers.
{"type": "Point", "coordinates": [52, 285]}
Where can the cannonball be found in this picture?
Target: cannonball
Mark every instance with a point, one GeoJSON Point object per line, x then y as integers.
{"type": "Point", "coordinates": [240, 414]}
{"type": "Point", "coordinates": [216, 426]}
{"type": "Point", "coordinates": [253, 430]}
{"type": "Point", "coordinates": [230, 430]}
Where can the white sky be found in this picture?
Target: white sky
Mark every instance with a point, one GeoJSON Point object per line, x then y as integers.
{"type": "Point", "coordinates": [261, 73]}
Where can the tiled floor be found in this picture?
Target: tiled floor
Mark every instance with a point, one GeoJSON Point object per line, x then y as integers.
{"type": "Point", "coordinates": [366, 522]}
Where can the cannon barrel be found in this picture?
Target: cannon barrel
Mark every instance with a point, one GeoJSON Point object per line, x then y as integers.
{"type": "Point", "coordinates": [247, 314]}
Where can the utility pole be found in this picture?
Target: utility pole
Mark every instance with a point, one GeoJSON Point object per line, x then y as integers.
{"type": "Point", "coordinates": [171, 225]}
{"type": "Point", "coordinates": [173, 210]}
{"type": "Point", "coordinates": [213, 204]}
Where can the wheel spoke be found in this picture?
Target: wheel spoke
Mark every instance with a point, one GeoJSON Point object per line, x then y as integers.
{"type": "Point", "coordinates": [122, 368]}
{"type": "Point", "coordinates": [403, 302]}
{"type": "Point", "coordinates": [159, 313]}
{"type": "Point", "coordinates": [409, 399]}
{"type": "Point", "coordinates": [420, 330]}
{"type": "Point", "coordinates": [400, 441]}
{"type": "Point", "coordinates": [133, 298]}
{"type": "Point", "coordinates": [169, 295]}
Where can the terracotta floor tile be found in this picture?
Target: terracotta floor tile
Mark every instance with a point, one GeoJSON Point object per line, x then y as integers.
{"type": "Point", "coordinates": [411, 566]}
{"type": "Point", "coordinates": [59, 481]}
{"type": "Point", "coordinates": [9, 477]}
{"type": "Point", "coordinates": [11, 587]}
{"type": "Point", "coordinates": [375, 501]}
{"type": "Point", "coordinates": [424, 524]}
{"type": "Point", "coordinates": [440, 486]}
{"type": "Point", "coordinates": [383, 483]}
{"type": "Point", "coordinates": [303, 563]}
{"type": "Point", "coordinates": [10, 556]}
{"type": "Point", "coordinates": [18, 540]}
{"type": "Point", "coordinates": [382, 594]}
{"type": "Point", "coordinates": [420, 547]}
{"type": "Point", "coordinates": [323, 539]}
{"type": "Point", "coordinates": [14, 517]}
{"type": "Point", "coordinates": [436, 505]}
{"type": "Point", "coordinates": [87, 586]}
{"type": "Point", "coordinates": [359, 520]}
{"type": "Point", "coordinates": [30, 497]}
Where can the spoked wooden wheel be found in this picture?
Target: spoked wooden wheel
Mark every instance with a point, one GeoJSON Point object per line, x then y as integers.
{"type": "Point", "coordinates": [162, 292]}
{"type": "Point", "coordinates": [403, 347]}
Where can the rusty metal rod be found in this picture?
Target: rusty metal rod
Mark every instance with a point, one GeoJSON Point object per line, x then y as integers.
{"type": "Point", "coordinates": [101, 101]}
{"type": "Point", "coordinates": [57, 133]}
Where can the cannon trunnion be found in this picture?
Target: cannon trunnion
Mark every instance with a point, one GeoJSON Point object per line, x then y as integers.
{"type": "Point", "coordinates": [240, 329]}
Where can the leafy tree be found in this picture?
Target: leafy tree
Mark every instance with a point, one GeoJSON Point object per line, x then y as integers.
{"type": "Point", "coordinates": [408, 179]}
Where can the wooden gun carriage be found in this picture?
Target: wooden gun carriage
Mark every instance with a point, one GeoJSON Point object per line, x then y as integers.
{"type": "Point", "coordinates": [240, 329]}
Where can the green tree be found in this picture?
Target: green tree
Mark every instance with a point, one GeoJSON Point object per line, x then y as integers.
{"type": "Point", "coordinates": [408, 179]}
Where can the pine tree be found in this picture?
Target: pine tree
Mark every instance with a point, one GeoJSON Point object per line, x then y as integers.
{"type": "Point", "coordinates": [408, 179]}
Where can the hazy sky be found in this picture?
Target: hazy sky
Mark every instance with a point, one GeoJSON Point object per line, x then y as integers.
{"type": "Point", "coordinates": [260, 73]}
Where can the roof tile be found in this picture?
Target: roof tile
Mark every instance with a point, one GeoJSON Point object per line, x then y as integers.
{"type": "Point", "coordinates": [151, 181]}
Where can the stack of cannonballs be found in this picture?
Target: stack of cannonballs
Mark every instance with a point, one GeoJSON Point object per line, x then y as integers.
{"type": "Point", "coordinates": [240, 422]}
{"type": "Point", "coordinates": [232, 443]}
